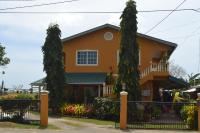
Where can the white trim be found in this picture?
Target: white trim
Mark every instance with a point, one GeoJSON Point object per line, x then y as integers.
{"type": "Point", "coordinates": [87, 50]}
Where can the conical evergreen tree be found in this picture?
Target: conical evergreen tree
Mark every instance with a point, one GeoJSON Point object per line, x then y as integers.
{"type": "Point", "coordinates": [53, 66]}
{"type": "Point", "coordinates": [129, 52]}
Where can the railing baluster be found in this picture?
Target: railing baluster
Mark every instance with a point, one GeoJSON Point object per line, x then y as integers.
{"type": "Point", "coordinates": [160, 67]}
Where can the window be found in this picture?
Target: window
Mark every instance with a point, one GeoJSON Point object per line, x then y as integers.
{"type": "Point", "coordinates": [86, 57]}
{"type": "Point", "coordinates": [108, 36]}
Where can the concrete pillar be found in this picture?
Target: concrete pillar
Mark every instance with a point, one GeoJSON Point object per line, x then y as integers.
{"type": "Point", "coordinates": [123, 109]}
{"type": "Point", "coordinates": [44, 108]}
{"type": "Point", "coordinates": [198, 106]}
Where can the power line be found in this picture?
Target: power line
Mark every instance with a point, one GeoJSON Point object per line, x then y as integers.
{"type": "Point", "coordinates": [175, 27]}
{"type": "Point", "coordinates": [37, 5]}
{"type": "Point", "coordinates": [175, 10]}
{"type": "Point", "coordinates": [94, 12]}
{"type": "Point", "coordinates": [164, 18]}
{"type": "Point", "coordinates": [49, 12]}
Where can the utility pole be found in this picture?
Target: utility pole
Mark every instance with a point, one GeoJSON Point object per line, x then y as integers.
{"type": "Point", "coordinates": [199, 58]}
{"type": "Point", "coordinates": [2, 84]}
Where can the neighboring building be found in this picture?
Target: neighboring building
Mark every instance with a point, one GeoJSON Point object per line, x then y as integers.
{"type": "Point", "coordinates": [91, 55]}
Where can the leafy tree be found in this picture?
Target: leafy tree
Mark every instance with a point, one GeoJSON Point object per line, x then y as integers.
{"type": "Point", "coordinates": [176, 70]}
{"type": "Point", "coordinates": [53, 66]}
{"type": "Point", "coordinates": [3, 60]}
{"type": "Point", "coordinates": [129, 52]}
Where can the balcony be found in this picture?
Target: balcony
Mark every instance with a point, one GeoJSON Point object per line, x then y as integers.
{"type": "Point", "coordinates": [155, 70]}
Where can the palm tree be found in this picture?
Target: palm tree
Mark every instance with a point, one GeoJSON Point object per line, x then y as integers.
{"type": "Point", "coordinates": [194, 79]}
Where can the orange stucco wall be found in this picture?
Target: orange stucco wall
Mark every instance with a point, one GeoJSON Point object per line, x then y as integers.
{"type": "Point", "coordinates": [107, 51]}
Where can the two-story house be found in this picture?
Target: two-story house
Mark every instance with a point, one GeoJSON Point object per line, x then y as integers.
{"type": "Point", "coordinates": [90, 55]}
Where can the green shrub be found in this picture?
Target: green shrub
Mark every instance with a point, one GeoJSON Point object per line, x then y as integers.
{"type": "Point", "coordinates": [24, 96]}
{"type": "Point", "coordinates": [14, 96]}
{"type": "Point", "coordinates": [104, 108]}
{"type": "Point", "coordinates": [188, 114]}
{"type": "Point", "coordinates": [156, 111]}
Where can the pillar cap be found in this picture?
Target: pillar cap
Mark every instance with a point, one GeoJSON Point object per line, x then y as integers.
{"type": "Point", "coordinates": [123, 93]}
{"type": "Point", "coordinates": [44, 92]}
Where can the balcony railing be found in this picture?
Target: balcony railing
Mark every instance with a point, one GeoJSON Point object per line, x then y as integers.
{"type": "Point", "coordinates": [107, 90]}
{"type": "Point", "coordinates": [160, 67]}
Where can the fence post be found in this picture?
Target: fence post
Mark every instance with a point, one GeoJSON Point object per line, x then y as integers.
{"type": "Point", "coordinates": [123, 109]}
{"type": "Point", "coordinates": [198, 106]}
{"type": "Point", "coordinates": [44, 108]}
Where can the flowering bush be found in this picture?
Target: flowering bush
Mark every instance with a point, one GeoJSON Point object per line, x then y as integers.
{"type": "Point", "coordinates": [77, 110]}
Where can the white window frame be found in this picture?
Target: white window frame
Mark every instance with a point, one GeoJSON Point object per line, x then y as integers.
{"type": "Point", "coordinates": [87, 51]}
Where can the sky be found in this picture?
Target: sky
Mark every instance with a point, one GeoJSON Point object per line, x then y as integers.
{"type": "Point", "coordinates": [24, 34]}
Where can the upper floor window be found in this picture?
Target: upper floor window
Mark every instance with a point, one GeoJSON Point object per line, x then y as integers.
{"type": "Point", "coordinates": [86, 57]}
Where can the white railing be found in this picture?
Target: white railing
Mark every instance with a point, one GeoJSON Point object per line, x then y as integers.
{"type": "Point", "coordinates": [107, 89]}
{"type": "Point", "coordinates": [159, 67]}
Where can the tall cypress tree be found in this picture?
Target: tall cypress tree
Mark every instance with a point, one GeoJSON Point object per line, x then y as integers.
{"type": "Point", "coordinates": [129, 52]}
{"type": "Point", "coordinates": [53, 66]}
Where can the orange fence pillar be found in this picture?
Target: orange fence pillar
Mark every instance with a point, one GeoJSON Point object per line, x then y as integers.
{"type": "Point", "coordinates": [123, 109]}
{"type": "Point", "coordinates": [198, 102]}
{"type": "Point", "coordinates": [44, 108]}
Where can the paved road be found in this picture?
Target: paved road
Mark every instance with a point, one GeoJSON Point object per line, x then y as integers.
{"type": "Point", "coordinates": [86, 130]}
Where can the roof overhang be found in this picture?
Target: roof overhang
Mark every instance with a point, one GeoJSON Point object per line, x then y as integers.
{"type": "Point", "coordinates": [78, 78]}
{"type": "Point", "coordinates": [85, 78]}
{"type": "Point", "coordinates": [172, 45]}
{"type": "Point", "coordinates": [172, 83]}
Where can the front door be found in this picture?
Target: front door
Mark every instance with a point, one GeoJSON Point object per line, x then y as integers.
{"type": "Point", "coordinates": [90, 92]}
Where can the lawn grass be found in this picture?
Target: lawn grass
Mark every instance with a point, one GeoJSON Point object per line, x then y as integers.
{"type": "Point", "coordinates": [73, 124]}
{"type": "Point", "coordinates": [93, 121]}
{"type": "Point", "coordinates": [25, 126]}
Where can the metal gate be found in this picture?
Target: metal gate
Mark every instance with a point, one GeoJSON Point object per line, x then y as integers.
{"type": "Point", "coordinates": [162, 115]}
{"type": "Point", "coordinates": [22, 111]}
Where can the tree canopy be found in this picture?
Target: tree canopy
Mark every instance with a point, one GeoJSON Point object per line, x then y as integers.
{"type": "Point", "coordinates": [3, 60]}
{"type": "Point", "coordinates": [176, 70]}
{"type": "Point", "coordinates": [129, 52]}
{"type": "Point", "coordinates": [53, 66]}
